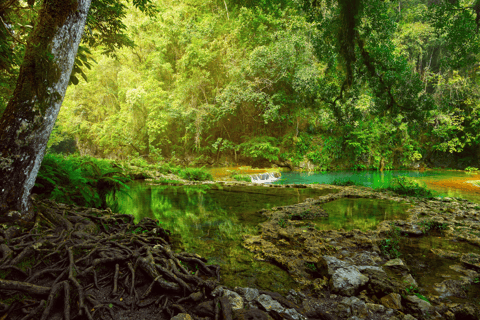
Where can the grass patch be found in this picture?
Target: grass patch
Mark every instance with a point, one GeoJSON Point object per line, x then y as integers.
{"type": "Point", "coordinates": [242, 177]}
{"type": "Point", "coordinates": [282, 223]}
{"type": "Point", "coordinates": [428, 226]}
{"type": "Point", "coordinates": [412, 290]}
{"type": "Point", "coordinates": [391, 245]}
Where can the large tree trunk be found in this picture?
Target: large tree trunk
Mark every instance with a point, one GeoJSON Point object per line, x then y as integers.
{"type": "Point", "coordinates": [30, 115]}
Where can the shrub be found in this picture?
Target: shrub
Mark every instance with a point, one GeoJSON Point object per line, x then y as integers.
{"type": "Point", "coordinates": [83, 181]}
{"type": "Point", "coordinates": [402, 185]}
{"type": "Point", "coordinates": [197, 174]}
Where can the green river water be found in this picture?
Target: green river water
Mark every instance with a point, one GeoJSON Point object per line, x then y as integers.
{"type": "Point", "coordinates": [211, 220]}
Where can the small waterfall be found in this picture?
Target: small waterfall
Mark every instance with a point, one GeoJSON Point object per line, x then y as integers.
{"type": "Point", "coordinates": [266, 177]}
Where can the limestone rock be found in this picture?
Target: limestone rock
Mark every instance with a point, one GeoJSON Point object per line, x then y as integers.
{"type": "Point", "coordinates": [375, 308]}
{"type": "Point", "coordinates": [316, 309]}
{"type": "Point", "coordinates": [182, 316]}
{"type": "Point", "coordinates": [366, 258]}
{"type": "Point", "coordinates": [217, 291]}
{"type": "Point", "coordinates": [419, 305]}
{"type": "Point", "coordinates": [381, 284]}
{"type": "Point", "coordinates": [235, 299]}
{"type": "Point", "coordinates": [392, 301]}
{"type": "Point", "coordinates": [362, 268]}
{"type": "Point", "coordinates": [269, 304]}
{"type": "Point", "coordinates": [397, 265]}
{"type": "Point", "coordinates": [296, 296]}
{"type": "Point", "coordinates": [409, 280]}
{"type": "Point", "coordinates": [294, 314]}
{"type": "Point", "coordinates": [347, 280]}
{"type": "Point", "coordinates": [248, 293]}
{"type": "Point", "coordinates": [358, 307]}
{"type": "Point", "coordinates": [327, 265]}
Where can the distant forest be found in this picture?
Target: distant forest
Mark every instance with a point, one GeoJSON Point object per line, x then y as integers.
{"type": "Point", "coordinates": [336, 84]}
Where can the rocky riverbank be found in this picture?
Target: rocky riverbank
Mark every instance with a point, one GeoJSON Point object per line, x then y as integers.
{"type": "Point", "coordinates": [363, 275]}
{"type": "Point", "coordinates": [424, 267]}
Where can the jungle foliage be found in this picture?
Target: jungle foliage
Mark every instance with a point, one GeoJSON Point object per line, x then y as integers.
{"type": "Point", "coordinates": [342, 84]}
{"type": "Point", "coordinates": [83, 181]}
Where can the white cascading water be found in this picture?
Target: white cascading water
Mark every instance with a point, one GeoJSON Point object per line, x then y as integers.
{"type": "Point", "coordinates": [267, 177]}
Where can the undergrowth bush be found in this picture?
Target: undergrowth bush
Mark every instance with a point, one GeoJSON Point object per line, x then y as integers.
{"type": "Point", "coordinates": [197, 174]}
{"type": "Point", "coordinates": [404, 186]}
{"type": "Point", "coordinates": [83, 181]}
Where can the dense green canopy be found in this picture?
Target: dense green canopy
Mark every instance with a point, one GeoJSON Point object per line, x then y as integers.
{"type": "Point", "coordinates": [371, 84]}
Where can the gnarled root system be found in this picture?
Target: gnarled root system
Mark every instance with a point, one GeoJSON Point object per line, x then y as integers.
{"type": "Point", "coordinates": [81, 263]}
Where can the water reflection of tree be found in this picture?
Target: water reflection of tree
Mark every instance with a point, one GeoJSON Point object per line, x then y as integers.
{"type": "Point", "coordinates": [361, 214]}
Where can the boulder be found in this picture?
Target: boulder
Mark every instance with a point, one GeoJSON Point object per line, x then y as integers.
{"type": "Point", "coordinates": [217, 291]}
{"type": "Point", "coordinates": [392, 301]}
{"type": "Point", "coordinates": [419, 305]}
{"type": "Point", "coordinates": [347, 281]}
{"type": "Point", "coordinates": [316, 309]}
{"type": "Point", "coordinates": [358, 307]}
{"type": "Point", "coordinates": [249, 294]}
{"type": "Point", "coordinates": [268, 303]}
{"type": "Point", "coordinates": [380, 283]}
{"type": "Point", "coordinates": [327, 265]}
{"type": "Point", "coordinates": [396, 265]}
{"type": "Point", "coordinates": [294, 314]}
{"type": "Point", "coordinates": [409, 280]}
{"type": "Point", "coordinates": [366, 258]}
{"type": "Point", "coordinates": [235, 300]}
{"type": "Point", "coordinates": [375, 308]}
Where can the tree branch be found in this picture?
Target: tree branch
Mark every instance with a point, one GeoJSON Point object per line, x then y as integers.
{"type": "Point", "coordinates": [10, 33]}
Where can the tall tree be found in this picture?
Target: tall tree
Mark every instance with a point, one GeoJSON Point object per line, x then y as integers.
{"type": "Point", "coordinates": [45, 72]}
{"type": "Point", "coordinates": [31, 113]}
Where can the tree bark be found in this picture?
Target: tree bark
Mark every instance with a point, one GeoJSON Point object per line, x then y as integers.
{"type": "Point", "coordinates": [31, 113]}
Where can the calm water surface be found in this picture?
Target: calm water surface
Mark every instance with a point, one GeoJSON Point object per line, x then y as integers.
{"type": "Point", "coordinates": [377, 179]}
{"type": "Point", "coordinates": [363, 214]}
{"type": "Point", "coordinates": [211, 221]}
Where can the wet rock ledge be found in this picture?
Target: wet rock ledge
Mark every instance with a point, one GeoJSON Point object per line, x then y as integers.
{"type": "Point", "coordinates": [425, 267]}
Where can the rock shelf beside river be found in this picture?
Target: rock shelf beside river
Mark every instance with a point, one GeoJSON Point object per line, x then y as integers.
{"type": "Point", "coordinates": [355, 274]}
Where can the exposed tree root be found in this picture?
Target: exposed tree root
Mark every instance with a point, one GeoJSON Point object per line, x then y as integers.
{"type": "Point", "coordinates": [81, 263]}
